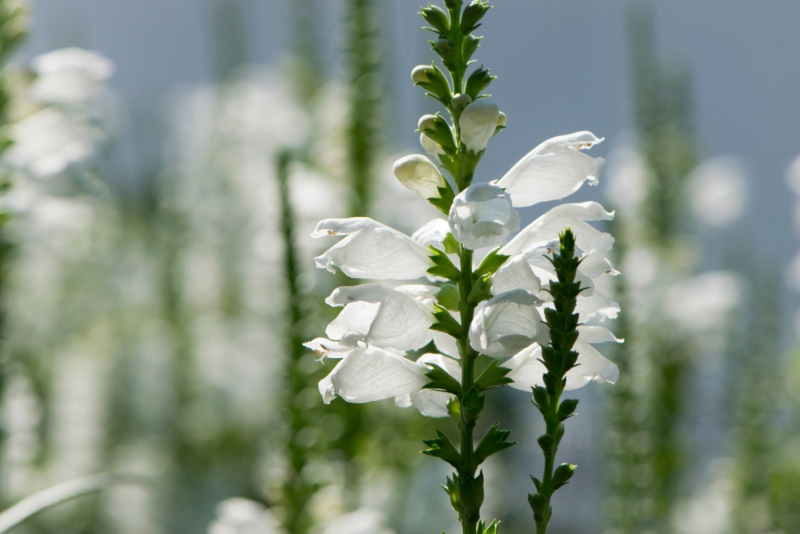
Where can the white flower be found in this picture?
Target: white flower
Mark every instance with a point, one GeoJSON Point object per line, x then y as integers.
{"type": "Point", "coordinates": [553, 170]}
{"type": "Point", "coordinates": [718, 191]}
{"type": "Point", "coordinates": [478, 123]}
{"type": "Point", "coordinates": [482, 216]}
{"type": "Point", "coordinates": [547, 228]}
{"type": "Point", "coordinates": [430, 146]}
{"type": "Point", "coordinates": [243, 516]}
{"type": "Point", "coordinates": [371, 250]}
{"type": "Point", "coordinates": [431, 403]}
{"type": "Point", "coordinates": [506, 324]}
{"type": "Point", "coordinates": [378, 315]}
{"type": "Point", "coordinates": [69, 76]}
{"type": "Point", "coordinates": [362, 521]}
{"type": "Point", "coordinates": [367, 374]}
{"type": "Point", "coordinates": [527, 368]}
{"type": "Point", "coordinates": [420, 175]}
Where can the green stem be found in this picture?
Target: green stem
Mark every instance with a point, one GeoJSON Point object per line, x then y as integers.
{"type": "Point", "coordinates": [551, 423]}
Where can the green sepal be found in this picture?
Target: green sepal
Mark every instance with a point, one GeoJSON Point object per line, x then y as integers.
{"type": "Point", "coordinates": [492, 442]}
{"type": "Point", "coordinates": [437, 18]}
{"type": "Point", "coordinates": [491, 263]}
{"type": "Point", "coordinates": [560, 429]}
{"type": "Point", "coordinates": [447, 51]}
{"type": "Point", "coordinates": [449, 297]}
{"type": "Point", "coordinates": [494, 375]}
{"type": "Point", "coordinates": [547, 443]}
{"type": "Point", "coordinates": [439, 130]}
{"type": "Point", "coordinates": [479, 80]}
{"type": "Point", "coordinates": [494, 528]}
{"type": "Point", "coordinates": [454, 408]}
{"type": "Point", "coordinates": [537, 483]}
{"type": "Point", "coordinates": [481, 290]}
{"type": "Point", "coordinates": [470, 492]}
{"type": "Point", "coordinates": [567, 409]}
{"type": "Point", "coordinates": [472, 15]}
{"type": "Point", "coordinates": [472, 404]}
{"type": "Point", "coordinates": [538, 504]}
{"type": "Point", "coordinates": [444, 322]}
{"type": "Point", "coordinates": [541, 399]}
{"type": "Point", "coordinates": [451, 488]}
{"type": "Point", "coordinates": [562, 475]}
{"type": "Point", "coordinates": [443, 266]}
{"type": "Point", "coordinates": [441, 380]}
{"type": "Point", "coordinates": [444, 201]}
{"type": "Point", "coordinates": [451, 244]}
{"type": "Point", "coordinates": [469, 46]}
{"type": "Point", "coordinates": [437, 85]}
{"type": "Point", "coordinates": [442, 448]}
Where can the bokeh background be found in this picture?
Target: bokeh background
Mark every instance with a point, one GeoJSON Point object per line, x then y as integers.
{"type": "Point", "coordinates": [149, 321]}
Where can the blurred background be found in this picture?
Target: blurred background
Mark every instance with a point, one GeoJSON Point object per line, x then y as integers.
{"type": "Point", "coordinates": [166, 161]}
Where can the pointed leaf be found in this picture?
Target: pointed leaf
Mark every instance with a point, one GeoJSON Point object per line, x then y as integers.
{"type": "Point", "coordinates": [441, 380]}
{"type": "Point", "coordinates": [443, 448]}
{"type": "Point", "coordinates": [442, 266]}
{"type": "Point", "coordinates": [491, 263]}
{"type": "Point", "coordinates": [492, 442]}
{"type": "Point", "coordinates": [494, 375]}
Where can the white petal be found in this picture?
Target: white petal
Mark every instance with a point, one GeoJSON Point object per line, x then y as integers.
{"type": "Point", "coordinates": [371, 250]}
{"type": "Point", "coordinates": [430, 146]}
{"type": "Point", "coordinates": [718, 191]}
{"type": "Point", "coordinates": [515, 273]}
{"type": "Point", "coordinates": [326, 348]}
{"type": "Point", "coordinates": [482, 216]}
{"type": "Point", "coordinates": [420, 175]}
{"type": "Point", "coordinates": [386, 317]}
{"type": "Point", "coordinates": [372, 374]}
{"type": "Point", "coordinates": [548, 227]}
{"type": "Point", "coordinates": [591, 366]}
{"type": "Point", "coordinates": [432, 233]}
{"type": "Point", "coordinates": [526, 369]}
{"type": "Point", "coordinates": [478, 123]}
{"type": "Point", "coordinates": [432, 403]}
{"type": "Point", "coordinates": [553, 170]}
{"type": "Point", "coordinates": [505, 324]}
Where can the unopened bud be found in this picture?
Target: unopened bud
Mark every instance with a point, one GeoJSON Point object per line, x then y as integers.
{"type": "Point", "coordinates": [420, 175]}
{"type": "Point", "coordinates": [437, 18]}
{"type": "Point", "coordinates": [435, 127]}
{"type": "Point", "coordinates": [460, 101]}
{"type": "Point", "coordinates": [472, 15]}
{"type": "Point", "coordinates": [501, 123]}
{"type": "Point", "coordinates": [430, 78]}
{"type": "Point", "coordinates": [446, 50]}
{"type": "Point", "coordinates": [478, 81]}
{"type": "Point", "coordinates": [478, 123]}
{"type": "Point", "coordinates": [430, 146]}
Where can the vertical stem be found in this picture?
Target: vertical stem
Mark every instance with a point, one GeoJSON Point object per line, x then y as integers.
{"type": "Point", "coordinates": [298, 490]}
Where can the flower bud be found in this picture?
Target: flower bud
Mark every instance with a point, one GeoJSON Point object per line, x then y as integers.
{"type": "Point", "coordinates": [469, 46]}
{"type": "Point", "coordinates": [501, 123]}
{"type": "Point", "coordinates": [482, 216]}
{"type": "Point", "coordinates": [437, 18]}
{"type": "Point", "coordinates": [478, 123]}
{"type": "Point", "coordinates": [420, 175]}
{"type": "Point", "coordinates": [460, 101]}
{"type": "Point", "coordinates": [430, 78]}
{"type": "Point", "coordinates": [437, 128]}
{"type": "Point", "coordinates": [478, 81]}
{"type": "Point", "coordinates": [446, 50]}
{"type": "Point", "coordinates": [473, 14]}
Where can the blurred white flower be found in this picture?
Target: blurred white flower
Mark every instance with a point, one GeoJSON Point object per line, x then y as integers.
{"type": "Point", "coordinates": [718, 191]}
{"type": "Point", "coordinates": [69, 76]}
{"type": "Point", "coordinates": [704, 302]}
{"type": "Point", "coordinates": [362, 521]}
{"type": "Point", "coordinates": [243, 516]}
{"type": "Point", "coordinates": [627, 180]}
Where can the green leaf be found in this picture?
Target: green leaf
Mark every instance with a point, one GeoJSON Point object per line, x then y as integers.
{"type": "Point", "coordinates": [443, 266]}
{"type": "Point", "coordinates": [563, 474]}
{"type": "Point", "coordinates": [492, 442]}
{"type": "Point", "coordinates": [449, 296]}
{"type": "Point", "coordinates": [443, 448]}
{"type": "Point", "coordinates": [494, 528]}
{"type": "Point", "coordinates": [443, 202]}
{"type": "Point", "coordinates": [494, 375]}
{"type": "Point", "coordinates": [444, 322]}
{"type": "Point", "coordinates": [491, 263]}
{"type": "Point", "coordinates": [441, 380]}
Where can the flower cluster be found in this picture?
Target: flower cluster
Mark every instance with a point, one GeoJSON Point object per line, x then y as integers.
{"type": "Point", "coordinates": [386, 322]}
